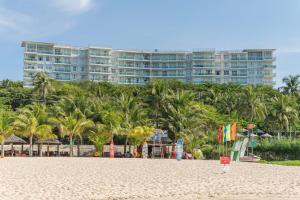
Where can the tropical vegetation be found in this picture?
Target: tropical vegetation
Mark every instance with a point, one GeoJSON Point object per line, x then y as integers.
{"type": "Point", "coordinates": [97, 113]}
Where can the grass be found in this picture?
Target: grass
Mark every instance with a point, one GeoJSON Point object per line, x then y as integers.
{"type": "Point", "coordinates": [285, 163]}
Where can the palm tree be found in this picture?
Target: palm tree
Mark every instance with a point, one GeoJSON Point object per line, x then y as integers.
{"type": "Point", "coordinates": [42, 85]}
{"type": "Point", "coordinates": [99, 136]}
{"type": "Point", "coordinates": [156, 100]}
{"type": "Point", "coordinates": [132, 114]}
{"type": "Point", "coordinates": [5, 128]}
{"type": "Point", "coordinates": [284, 111]}
{"type": "Point", "coordinates": [44, 132]}
{"type": "Point", "coordinates": [139, 134]}
{"type": "Point", "coordinates": [71, 126]}
{"type": "Point", "coordinates": [291, 84]}
{"type": "Point", "coordinates": [29, 123]}
{"type": "Point", "coordinates": [252, 105]}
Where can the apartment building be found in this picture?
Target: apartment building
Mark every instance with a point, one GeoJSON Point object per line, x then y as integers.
{"type": "Point", "coordinates": [69, 63]}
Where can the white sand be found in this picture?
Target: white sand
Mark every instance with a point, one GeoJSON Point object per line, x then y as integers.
{"type": "Point", "coordinates": [112, 179]}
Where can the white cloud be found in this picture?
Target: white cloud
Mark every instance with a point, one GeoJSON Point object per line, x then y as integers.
{"type": "Point", "coordinates": [73, 6]}
{"type": "Point", "coordinates": [14, 21]}
{"type": "Point", "coordinates": [288, 50]}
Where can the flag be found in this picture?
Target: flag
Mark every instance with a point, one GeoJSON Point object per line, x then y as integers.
{"type": "Point", "coordinates": [233, 131]}
{"type": "Point", "coordinates": [228, 130]}
{"type": "Point", "coordinates": [224, 134]}
{"type": "Point", "coordinates": [219, 135]}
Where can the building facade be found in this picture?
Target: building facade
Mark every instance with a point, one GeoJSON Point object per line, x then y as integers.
{"type": "Point", "coordinates": [68, 63]}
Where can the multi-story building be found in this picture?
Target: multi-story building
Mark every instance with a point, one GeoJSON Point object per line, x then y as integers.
{"type": "Point", "coordinates": [68, 63]}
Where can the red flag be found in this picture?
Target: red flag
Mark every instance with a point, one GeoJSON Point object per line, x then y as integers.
{"type": "Point", "coordinates": [219, 135]}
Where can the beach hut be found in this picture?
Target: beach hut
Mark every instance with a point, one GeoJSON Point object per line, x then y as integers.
{"type": "Point", "coordinates": [160, 144]}
{"type": "Point", "coordinates": [48, 142]}
{"type": "Point", "coordinates": [15, 140]}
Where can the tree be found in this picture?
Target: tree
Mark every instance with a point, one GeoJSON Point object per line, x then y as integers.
{"type": "Point", "coordinates": [42, 85]}
{"type": "Point", "coordinates": [139, 134]}
{"type": "Point", "coordinates": [132, 114]}
{"type": "Point", "coordinates": [156, 100]}
{"type": "Point", "coordinates": [252, 105]}
{"type": "Point", "coordinates": [284, 111]}
{"type": "Point", "coordinates": [44, 132]}
{"type": "Point", "coordinates": [99, 136]}
{"type": "Point", "coordinates": [291, 84]}
{"type": "Point", "coordinates": [5, 127]}
{"type": "Point", "coordinates": [71, 126]}
{"type": "Point", "coordinates": [29, 123]}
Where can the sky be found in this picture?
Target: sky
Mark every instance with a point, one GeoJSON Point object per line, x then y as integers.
{"type": "Point", "coordinates": [152, 24]}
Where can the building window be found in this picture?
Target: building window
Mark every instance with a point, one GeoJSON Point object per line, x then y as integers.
{"type": "Point", "coordinates": [234, 73]}
{"type": "Point", "coordinates": [40, 58]}
{"type": "Point", "coordinates": [226, 72]}
{"type": "Point", "coordinates": [74, 68]}
{"type": "Point", "coordinates": [218, 73]}
{"type": "Point", "coordinates": [47, 58]}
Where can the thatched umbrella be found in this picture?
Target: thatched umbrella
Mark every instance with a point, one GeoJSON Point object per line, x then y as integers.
{"type": "Point", "coordinates": [49, 142]}
{"type": "Point", "coordinates": [13, 139]}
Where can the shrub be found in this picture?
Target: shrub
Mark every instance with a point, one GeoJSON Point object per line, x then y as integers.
{"type": "Point", "coordinates": [284, 149]}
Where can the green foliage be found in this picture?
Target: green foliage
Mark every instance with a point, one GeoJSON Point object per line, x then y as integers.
{"type": "Point", "coordinates": [191, 111]}
{"type": "Point", "coordinates": [285, 163]}
{"type": "Point", "coordinates": [279, 149]}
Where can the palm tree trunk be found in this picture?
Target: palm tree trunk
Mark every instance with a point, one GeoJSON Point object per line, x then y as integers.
{"type": "Point", "coordinates": [71, 146]}
{"type": "Point", "coordinates": [125, 146]}
{"type": "Point", "coordinates": [2, 149]}
{"type": "Point", "coordinates": [41, 149]}
{"type": "Point", "coordinates": [30, 147]}
{"type": "Point", "coordinates": [78, 149]}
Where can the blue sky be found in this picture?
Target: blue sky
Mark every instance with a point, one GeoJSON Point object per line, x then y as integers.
{"type": "Point", "coordinates": [152, 24]}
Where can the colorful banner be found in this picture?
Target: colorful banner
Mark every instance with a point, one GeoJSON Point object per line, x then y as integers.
{"type": "Point", "coordinates": [228, 131]}
{"type": "Point", "coordinates": [219, 135]}
{"type": "Point", "coordinates": [233, 131]}
{"type": "Point", "coordinates": [224, 134]}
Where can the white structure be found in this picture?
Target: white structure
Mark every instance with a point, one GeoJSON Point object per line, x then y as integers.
{"type": "Point", "coordinates": [68, 63]}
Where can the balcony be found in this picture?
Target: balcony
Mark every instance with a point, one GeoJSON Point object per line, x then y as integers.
{"type": "Point", "coordinates": [100, 63]}
{"type": "Point", "coordinates": [202, 74]}
{"type": "Point", "coordinates": [44, 52]}
{"type": "Point", "coordinates": [239, 75]}
{"type": "Point", "coordinates": [62, 70]}
{"type": "Point", "coordinates": [30, 59]}
{"type": "Point", "coordinates": [203, 58]}
{"type": "Point", "coordinates": [62, 62]}
{"type": "Point", "coordinates": [204, 66]}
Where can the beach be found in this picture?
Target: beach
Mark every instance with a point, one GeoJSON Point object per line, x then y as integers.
{"type": "Point", "coordinates": [112, 179]}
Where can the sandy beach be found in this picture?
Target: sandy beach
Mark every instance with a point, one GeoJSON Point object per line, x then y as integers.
{"type": "Point", "coordinates": [107, 179]}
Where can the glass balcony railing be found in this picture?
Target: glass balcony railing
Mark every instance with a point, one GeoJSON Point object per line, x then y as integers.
{"type": "Point", "coordinates": [62, 62]}
{"type": "Point", "coordinates": [239, 75]}
{"type": "Point", "coordinates": [62, 70]}
{"type": "Point", "coordinates": [30, 59]}
{"type": "Point", "coordinates": [100, 63]}
{"type": "Point", "coordinates": [44, 52]}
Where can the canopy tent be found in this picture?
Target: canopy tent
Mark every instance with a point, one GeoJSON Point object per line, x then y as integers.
{"type": "Point", "coordinates": [13, 139]}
